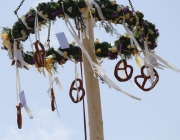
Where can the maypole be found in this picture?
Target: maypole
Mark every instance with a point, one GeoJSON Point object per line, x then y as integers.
{"type": "Point", "coordinates": [140, 39]}
{"type": "Point", "coordinates": [92, 90]}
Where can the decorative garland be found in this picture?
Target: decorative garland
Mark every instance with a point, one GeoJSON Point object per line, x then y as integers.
{"type": "Point", "coordinates": [112, 12]}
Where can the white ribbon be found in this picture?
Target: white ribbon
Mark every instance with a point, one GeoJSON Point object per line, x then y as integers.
{"type": "Point", "coordinates": [28, 111]}
{"type": "Point", "coordinates": [52, 81]}
{"type": "Point", "coordinates": [98, 10]}
{"type": "Point", "coordinates": [36, 28]}
{"type": "Point", "coordinates": [147, 52]}
{"type": "Point", "coordinates": [164, 62]}
{"type": "Point", "coordinates": [41, 15]}
{"type": "Point", "coordinates": [148, 67]}
{"type": "Point", "coordinates": [18, 85]}
{"type": "Point", "coordinates": [24, 104]}
{"type": "Point", "coordinates": [65, 56]}
{"type": "Point", "coordinates": [96, 68]}
{"type": "Point", "coordinates": [21, 60]}
{"type": "Point", "coordinates": [25, 24]}
{"type": "Point", "coordinates": [58, 85]}
{"type": "Point", "coordinates": [37, 36]}
{"type": "Point", "coordinates": [89, 5]}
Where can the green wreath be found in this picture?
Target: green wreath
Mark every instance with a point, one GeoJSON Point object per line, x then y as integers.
{"type": "Point", "coordinates": [112, 12]}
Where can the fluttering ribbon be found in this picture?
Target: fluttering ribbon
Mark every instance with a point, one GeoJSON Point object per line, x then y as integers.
{"type": "Point", "coordinates": [150, 53]}
{"type": "Point", "coordinates": [149, 67]}
{"type": "Point", "coordinates": [50, 88]}
{"type": "Point", "coordinates": [98, 9]}
{"type": "Point", "coordinates": [65, 56]}
{"type": "Point", "coordinates": [24, 104]}
{"type": "Point", "coordinates": [86, 12]}
{"type": "Point", "coordinates": [96, 68]}
{"type": "Point", "coordinates": [48, 64]}
{"type": "Point", "coordinates": [137, 60]}
{"type": "Point", "coordinates": [18, 85]}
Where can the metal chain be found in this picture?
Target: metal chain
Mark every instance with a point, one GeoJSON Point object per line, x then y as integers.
{"type": "Point", "coordinates": [49, 31]}
{"type": "Point", "coordinates": [48, 38]}
{"type": "Point", "coordinates": [130, 3]}
{"type": "Point", "coordinates": [15, 12]}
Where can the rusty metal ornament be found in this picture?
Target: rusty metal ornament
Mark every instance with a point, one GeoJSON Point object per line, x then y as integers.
{"type": "Point", "coordinates": [80, 88]}
{"type": "Point", "coordinates": [145, 78]}
{"type": "Point", "coordinates": [128, 76]}
{"type": "Point", "coordinates": [19, 116]}
{"type": "Point", "coordinates": [39, 55]}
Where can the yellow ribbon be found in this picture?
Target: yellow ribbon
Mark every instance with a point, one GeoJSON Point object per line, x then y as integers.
{"type": "Point", "coordinates": [98, 50]}
{"type": "Point", "coordinates": [38, 69]}
{"type": "Point", "coordinates": [136, 58]}
{"type": "Point", "coordinates": [86, 11]}
{"type": "Point", "coordinates": [4, 39]}
{"type": "Point", "coordinates": [48, 64]}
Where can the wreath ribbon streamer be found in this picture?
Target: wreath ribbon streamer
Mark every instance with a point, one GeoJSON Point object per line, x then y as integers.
{"type": "Point", "coordinates": [50, 86]}
{"type": "Point", "coordinates": [147, 52]}
{"type": "Point", "coordinates": [18, 85]}
{"type": "Point", "coordinates": [96, 68]}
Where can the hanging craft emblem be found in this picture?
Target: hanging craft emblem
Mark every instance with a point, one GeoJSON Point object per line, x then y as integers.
{"type": "Point", "coordinates": [78, 89]}
{"type": "Point", "coordinates": [124, 67]}
{"type": "Point", "coordinates": [145, 78]}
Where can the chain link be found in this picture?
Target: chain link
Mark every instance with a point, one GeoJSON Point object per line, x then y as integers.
{"type": "Point", "coordinates": [130, 3]}
{"type": "Point", "coordinates": [49, 31]}
{"type": "Point", "coordinates": [48, 38]}
{"type": "Point", "coordinates": [15, 12]}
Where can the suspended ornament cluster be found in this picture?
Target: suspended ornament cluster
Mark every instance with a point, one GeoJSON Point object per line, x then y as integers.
{"type": "Point", "coordinates": [140, 39]}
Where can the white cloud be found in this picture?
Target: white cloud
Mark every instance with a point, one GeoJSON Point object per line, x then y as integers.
{"type": "Point", "coordinates": [45, 127]}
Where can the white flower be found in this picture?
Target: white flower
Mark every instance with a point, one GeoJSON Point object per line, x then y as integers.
{"type": "Point", "coordinates": [102, 6]}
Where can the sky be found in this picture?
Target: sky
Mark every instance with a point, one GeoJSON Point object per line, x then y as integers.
{"type": "Point", "coordinates": [155, 117]}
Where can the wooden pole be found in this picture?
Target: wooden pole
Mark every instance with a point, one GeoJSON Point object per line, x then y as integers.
{"type": "Point", "coordinates": [92, 90]}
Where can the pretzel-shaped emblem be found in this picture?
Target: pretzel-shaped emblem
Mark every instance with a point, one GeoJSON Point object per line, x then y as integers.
{"type": "Point", "coordinates": [145, 79]}
{"type": "Point", "coordinates": [52, 100]}
{"type": "Point", "coordinates": [80, 88]}
{"type": "Point", "coordinates": [39, 55]}
{"type": "Point", "coordinates": [128, 76]}
{"type": "Point", "coordinates": [19, 116]}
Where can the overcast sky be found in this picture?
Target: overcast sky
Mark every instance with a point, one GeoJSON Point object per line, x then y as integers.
{"type": "Point", "coordinates": [155, 117]}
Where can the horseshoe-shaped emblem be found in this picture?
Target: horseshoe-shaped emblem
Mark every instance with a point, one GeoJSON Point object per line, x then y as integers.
{"type": "Point", "coordinates": [39, 55]}
{"type": "Point", "coordinates": [128, 76]}
{"type": "Point", "coordinates": [19, 117]}
{"type": "Point", "coordinates": [145, 80]}
{"type": "Point", "coordinates": [80, 88]}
